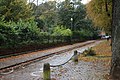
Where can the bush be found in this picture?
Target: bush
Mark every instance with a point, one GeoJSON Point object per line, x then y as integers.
{"type": "Point", "coordinates": [12, 34]}
{"type": "Point", "coordinates": [85, 34]}
{"type": "Point", "coordinates": [61, 31]}
{"type": "Point", "coordinates": [89, 52]}
{"type": "Point", "coordinates": [7, 33]}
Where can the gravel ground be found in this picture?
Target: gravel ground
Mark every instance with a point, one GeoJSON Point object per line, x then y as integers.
{"type": "Point", "coordinates": [70, 71]}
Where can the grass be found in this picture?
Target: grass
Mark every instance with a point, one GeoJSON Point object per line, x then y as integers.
{"type": "Point", "coordinates": [102, 51]}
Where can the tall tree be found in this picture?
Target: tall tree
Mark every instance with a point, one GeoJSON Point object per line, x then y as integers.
{"type": "Point", "coordinates": [48, 13]}
{"type": "Point", "coordinates": [100, 11]}
{"type": "Point", "coordinates": [45, 14]}
{"type": "Point", "coordinates": [64, 13]}
{"type": "Point", "coordinates": [75, 10]}
{"type": "Point", "coordinates": [14, 10]}
{"type": "Point", "coordinates": [115, 68]}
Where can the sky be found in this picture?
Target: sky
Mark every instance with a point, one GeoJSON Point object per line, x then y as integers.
{"type": "Point", "coordinates": [85, 1]}
{"type": "Point", "coordinates": [40, 1]}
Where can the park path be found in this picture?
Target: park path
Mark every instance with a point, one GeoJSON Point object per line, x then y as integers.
{"type": "Point", "coordinates": [32, 55]}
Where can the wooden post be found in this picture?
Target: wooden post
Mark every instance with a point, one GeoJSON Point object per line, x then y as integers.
{"type": "Point", "coordinates": [75, 52]}
{"type": "Point", "coordinates": [75, 57]}
{"type": "Point", "coordinates": [46, 72]}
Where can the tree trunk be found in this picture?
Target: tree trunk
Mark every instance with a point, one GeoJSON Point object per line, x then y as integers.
{"type": "Point", "coordinates": [106, 8]}
{"type": "Point", "coordinates": [115, 67]}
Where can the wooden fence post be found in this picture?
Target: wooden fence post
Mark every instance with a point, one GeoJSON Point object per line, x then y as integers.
{"type": "Point", "coordinates": [46, 72]}
{"type": "Point", "coordinates": [75, 57]}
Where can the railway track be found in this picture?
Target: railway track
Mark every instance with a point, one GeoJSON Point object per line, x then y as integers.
{"type": "Point", "coordinates": [11, 68]}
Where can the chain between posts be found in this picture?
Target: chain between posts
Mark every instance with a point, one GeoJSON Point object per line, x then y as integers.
{"type": "Point", "coordinates": [46, 68]}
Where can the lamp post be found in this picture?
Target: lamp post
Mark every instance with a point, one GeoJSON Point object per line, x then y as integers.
{"type": "Point", "coordinates": [71, 23]}
{"type": "Point", "coordinates": [71, 29]}
{"type": "Point", "coordinates": [72, 19]}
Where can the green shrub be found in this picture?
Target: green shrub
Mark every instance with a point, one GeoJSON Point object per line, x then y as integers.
{"type": "Point", "coordinates": [7, 34]}
{"type": "Point", "coordinates": [12, 34]}
{"type": "Point", "coordinates": [61, 31]}
{"type": "Point", "coordinates": [85, 34]}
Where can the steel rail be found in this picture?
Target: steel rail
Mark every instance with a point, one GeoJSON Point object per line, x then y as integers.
{"type": "Point", "coordinates": [25, 63]}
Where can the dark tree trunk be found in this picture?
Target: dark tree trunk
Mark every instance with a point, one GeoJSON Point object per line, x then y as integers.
{"type": "Point", "coordinates": [106, 7]}
{"type": "Point", "coordinates": [115, 67]}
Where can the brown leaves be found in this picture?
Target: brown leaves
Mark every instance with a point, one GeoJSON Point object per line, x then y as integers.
{"type": "Point", "coordinates": [102, 57]}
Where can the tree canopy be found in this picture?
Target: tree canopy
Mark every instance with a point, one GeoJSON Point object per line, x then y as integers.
{"type": "Point", "coordinates": [100, 11]}
{"type": "Point", "coordinates": [23, 23]}
{"type": "Point", "coordinates": [75, 10]}
{"type": "Point", "coordinates": [14, 10]}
